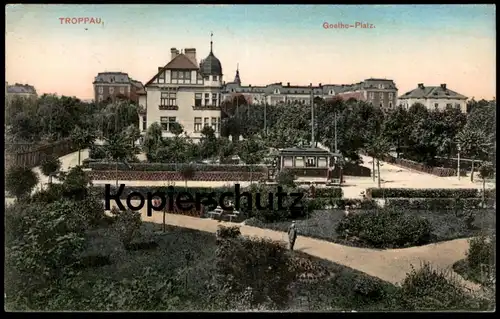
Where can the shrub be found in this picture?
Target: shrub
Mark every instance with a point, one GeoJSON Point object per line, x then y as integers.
{"type": "Point", "coordinates": [97, 152]}
{"type": "Point", "coordinates": [431, 289]}
{"type": "Point", "coordinates": [92, 261]}
{"type": "Point", "coordinates": [111, 166]}
{"type": "Point", "coordinates": [20, 181]}
{"type": "Point", "coordinates": [422, 193]}
{"type": "Point", "coordinates": [147, 245]}
{"type": "Point", "coordinates": [386, 228]}
{"type": "Point", "coordinates": [50, 165]}
{"type": "Point", "coordinates": [368, 287]}
{"type": "Point", "coordinates": [127, 225]}
{"type": "Point", "coordinates": [481, 252]}
{"type": "Point", "coordinates": [261, 264]}
{"type": "Point", "coordinates": [329, 192]}
{"type": "Point", "coordinates": [228, 232]}
{"type": "Point", "coordinates": [286, 178]}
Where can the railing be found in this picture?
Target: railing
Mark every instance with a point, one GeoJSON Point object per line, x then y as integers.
{"type": "Point", "coordinates": [206, 107]}
{"type": "Point", "coordinates": [168, 107]}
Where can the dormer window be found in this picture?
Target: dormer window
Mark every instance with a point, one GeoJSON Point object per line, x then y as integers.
{"type": "Point", "coordinates": [276, 91]}
{"type": "Point", "coordinates": [331, 92]}
{"type": "Point", "coordinates": [214, 77]}
{"type": "Point", "coordinates": [381, 86]}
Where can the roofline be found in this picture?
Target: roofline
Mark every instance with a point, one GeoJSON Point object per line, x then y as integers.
{"type": "Point", "coordinates": [165, 68]}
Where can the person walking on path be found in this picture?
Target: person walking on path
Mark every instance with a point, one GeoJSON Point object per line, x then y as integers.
{"type": "Point", "coordinates": [292, 235]}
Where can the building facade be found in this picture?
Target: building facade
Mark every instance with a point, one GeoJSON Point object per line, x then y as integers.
{"type": "Point", "coordinates": [110, 85]}
{"type": "Point", "coordinates": [185, 92]}
{"type": "Point", "coordinates": [20, 90]}
{"type": "Point", "coordinates": [434, 98]}
{"type": "Point", "coordinates": [379, 92]}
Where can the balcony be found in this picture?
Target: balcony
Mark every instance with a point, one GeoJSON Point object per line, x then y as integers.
{"type": "Point", "coordinates": [206, 108]}
{"type": "Point", "coordinates": [168, 107]}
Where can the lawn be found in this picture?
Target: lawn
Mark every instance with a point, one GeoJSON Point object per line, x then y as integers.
{"type": "Point", "coordinates": [445, 225]}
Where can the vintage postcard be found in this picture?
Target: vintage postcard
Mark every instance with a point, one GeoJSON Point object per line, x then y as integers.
{"type": "Point", "coordinates": [293, 158]}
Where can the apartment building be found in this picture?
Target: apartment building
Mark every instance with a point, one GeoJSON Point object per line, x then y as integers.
{"type": "Point", "coordinates": [434, 98]}
{"type": "Point", "coordinates": [110, 85]}
{"type": "Point", "coordinates": [185, 92]}
{"type": "Point", "coordinates": [380, 92]}
{"type": "Point", "coordinates": [20, 90]}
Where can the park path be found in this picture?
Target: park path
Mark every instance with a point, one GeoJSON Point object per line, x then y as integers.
{"type": "Point", "coordinates": [389, 265]}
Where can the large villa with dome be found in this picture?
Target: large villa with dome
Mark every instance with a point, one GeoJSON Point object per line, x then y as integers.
{"type": "Point", "coordinates": [190, 93]}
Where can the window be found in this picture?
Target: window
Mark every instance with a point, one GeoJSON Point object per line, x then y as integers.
{"type": "Point", "coordinates": [161, 77]}
{"type": "Point", "coordinates": [199, 78]}
{"type": "Point", "coordinates": [381, 96]}
{"type": "Point", "coordinates": [207, 98]}
{"type": "Point", "coordinates": [311, 162]}
{"type": "Point", "coordinates": [166, 122]}
{"type": "Point", "coordinates": [381, 86]}
{"type": "Point", "coordinates": [214, 99]}
{"type": "Point", "coordinates": [436, 106]}
{"type": "Point", "coordinates": [381, 105]}
{"type": "Point", "coordinates": [111, 90]}
{"type": "Point", "coordinates": [214, 124]}
{"type": "Point", "coordinates": [100, 98]}
{"type": "Point", "coordinates": [101, 90]}
{"type": "Point", "coordinates": [181, 77]}
{"type": "Point", "coordinates": [168, 99]}
{"type": "Point", "coordinates": [390, 105]}
{"type": "Point", "coordinates": [215, 78]}
{"type": "Point", "coordinates": [449, 105]}
{"type": "Point", "coordinates": [391, 95]}
{"type": "Point", "coordinates": [206, 78]}
{"type": "Point", "coordinates": [197, 124]}
{"type": "Point", "coordinates": [372, 95]}
{"type": "Point", "coordinates": [322, 162]}
{"type": "Point", "coordinates": [122, 90]}
{"type": "Point", "coordinates": [144, 123]}
{"type": "Point", "coordinates": [288, 161]}
{"type": "Point", "coordinates": [299, 161]}
{"type": "Point", "coordinates": [197, 99]}
{"type": "Point", "coordinates": [218, 124]}
{"type": "Point", "coordinates": [276, 91]}
{"type": "Point", "coordinates": [457, 106]}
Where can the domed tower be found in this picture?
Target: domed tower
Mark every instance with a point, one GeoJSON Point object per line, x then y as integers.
{"type": "Point", "coordinates": [211, 68]}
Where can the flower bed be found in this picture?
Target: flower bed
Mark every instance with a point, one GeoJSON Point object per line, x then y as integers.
{"type": "Point", "coordinates": [175, 176]}
{"type": "Point", "coordinates": [168, 167]}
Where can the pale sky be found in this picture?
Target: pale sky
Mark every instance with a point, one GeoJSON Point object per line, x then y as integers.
{"type": "Point", "coordinates": [411, 44]}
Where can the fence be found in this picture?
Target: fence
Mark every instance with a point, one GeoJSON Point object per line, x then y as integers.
{"type": "Point", "coordinates": [32, 154]}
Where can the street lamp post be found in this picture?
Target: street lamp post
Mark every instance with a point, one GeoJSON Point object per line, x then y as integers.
{"type": "Point", "coordinates": [458, 161]}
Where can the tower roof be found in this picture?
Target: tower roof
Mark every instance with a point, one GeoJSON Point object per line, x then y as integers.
{"type": "Point", "coordinates": [211, 65]}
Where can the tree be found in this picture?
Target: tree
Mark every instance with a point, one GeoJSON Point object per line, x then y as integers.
{"type": "Point", "coordinates": [475, 144]}
{"type": "Point", "coordinates": [252, 151]}
{"type": "Point", "coordinates": [486, 171]}
{"type": "Point", "coordinates": [118, 149]}
{"type": "Point", "coordinates": [82, 138]}
{"type": "Point", "coordinates": [208, 143]}
{"type": "Point", "coordinates": [20, 181]}
{"type": "Point", "coordinates": [50, 165]}
{"type": "Point", "coordinates": [152, 140]}
{"type": "Point", "coordinates": [133, 134]}
{"type": "Point", "coordinates": [176, 128]}
{"type": "Point", "coordinates": [187, 172]}
{"type": "Point", "coordinates": [378, 147]}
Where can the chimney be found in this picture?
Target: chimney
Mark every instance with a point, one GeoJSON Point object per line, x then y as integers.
{"type": "Point", "coordinates": [288, 84]}
{"type": "Point", "coordinates": [191, 54]}
{"type": "Point", "coordinates": [443, 86]}
{"type": "Point", "coordinates": [174, 52]}
{"type": "Point", "coordinates": [249, 85]}
{"type": "Point", "coordinates": [320, 85]}
{"type": "Point", "coordinates": [420, 85]}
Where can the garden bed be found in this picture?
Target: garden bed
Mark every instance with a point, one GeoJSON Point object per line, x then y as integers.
{"type": "Point", "coordinates": [445, 225]}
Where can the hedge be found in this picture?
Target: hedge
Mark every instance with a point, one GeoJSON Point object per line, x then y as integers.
{"type": "Point", "coordinates": [437, 203]}
{"type": "Point", "coordinates": [423, 192]}
{"type": "Point", "coordinates": [173, 167]}
{"type": "Point", "coordinates": [341, 203]}
{"type": "Point", "coordinates": [328, 192]}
